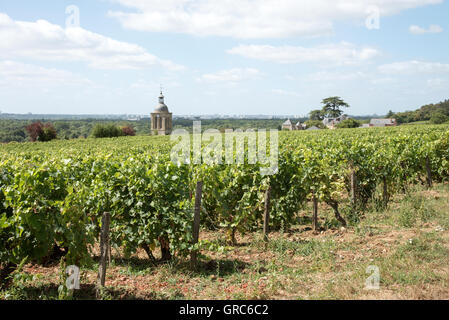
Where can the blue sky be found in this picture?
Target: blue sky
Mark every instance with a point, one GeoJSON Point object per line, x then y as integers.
{"type": "Point", "coordinates": [222, 57]}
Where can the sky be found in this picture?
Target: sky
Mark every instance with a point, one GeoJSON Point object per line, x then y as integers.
{"type": "Point", "coordinates": [245, 57]}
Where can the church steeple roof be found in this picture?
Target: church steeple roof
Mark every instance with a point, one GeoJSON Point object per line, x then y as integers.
{"type": "Point", "coordinates": [161, 108]}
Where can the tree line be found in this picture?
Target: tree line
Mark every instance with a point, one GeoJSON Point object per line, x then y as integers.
{"type": "Point", "coordinates": [435, 113]}
{"type": "Point", "coordinates": [41, 130]}
{"type": "Point", "coordinates": [333, 108]}
{"type": "Point", "coordinates": [16, 130]}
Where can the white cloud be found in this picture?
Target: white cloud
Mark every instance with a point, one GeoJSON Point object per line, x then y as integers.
{"type": "Point", "coordinates": [252, 18]}
{"type": "Point", "coordinates": [153, 87]}
{"type": "Point", "coordinates": [337, 76]}
{"type": "Point", "coordinates": [437, 82]}
{"type": "Point", "coordinates": [383, 81]}
{"type": "Point", "coordinates": [414, 67]}
{"type": "Point", "coordinates": [231, 76]}
{"type": "Point", "coordinates": [144, 85]}
{"type": "Point", "coordinates": [286, 93]}
{"type": "Point", "coordinates": [42, 40]}
{"type": "Point", "coordinates": [432, 29]}
{"type": "Point", "coordinates": [18, 74]}
{"type": "Point", "coordinates": [335, 54]}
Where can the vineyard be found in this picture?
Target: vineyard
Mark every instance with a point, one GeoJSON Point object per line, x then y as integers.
{"type": "Point", "coordinates": [53, 195]}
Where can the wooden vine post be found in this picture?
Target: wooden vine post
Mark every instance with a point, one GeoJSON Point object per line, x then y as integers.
{"type": "Point", "coordinates": [266, 217]}
{"type": "Point", "coordinates": [353, 186]}
{"type": "Point", "coordinates": [196, 222]}
{"type": "Point", "coordinates": [386, 196]}
{"type": "Point", "coordinates": [315, 213]}
{"type": "Point", "coordinates": [104, 244]}
{"type": "Point", "coordinates": [429, 173]}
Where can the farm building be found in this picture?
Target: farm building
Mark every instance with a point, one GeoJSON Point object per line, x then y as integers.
{"type": "Point", "coordinates": [288, 125]}
{"type": "Point", "coordinates": [383, 123]}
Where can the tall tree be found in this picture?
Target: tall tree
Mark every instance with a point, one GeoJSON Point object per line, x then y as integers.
{"type": "Point", "coordinates": [316, 115]}
{"type": "Point", "coordinates": [389, 115]}
{"type": "Point", "coordinates": [333, 107]}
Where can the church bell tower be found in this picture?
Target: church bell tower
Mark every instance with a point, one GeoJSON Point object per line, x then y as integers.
{"type": "Point", "coordinates": [161, 118]}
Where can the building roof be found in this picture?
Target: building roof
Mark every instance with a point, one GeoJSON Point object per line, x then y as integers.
{"type": "Point", "coordinates": [382, 121]}
{"type": "Point", "coordinates": [287, 123]}
{"type": "Point", "coordinates": [162, 108]}
{"type": "Point", "coordinates": [313, 128]}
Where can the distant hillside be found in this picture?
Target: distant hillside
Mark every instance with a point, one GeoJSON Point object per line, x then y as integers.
{"type": "Point", "coordinates": [425, 113]}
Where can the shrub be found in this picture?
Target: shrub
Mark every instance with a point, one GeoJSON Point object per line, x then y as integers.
{"type": "Point", "coordinates": [106, 131]}
{"type": "Point", "coordinates": [34, 130]}
{"type": "Point", "coordinates": [348, 123]}
{"type": "Point", "coordinates": [316, 123]}
{"type": "Point", "coordinates": [48, 133]}
{"type": "Point", "coordinates": [128, 131]}
{"type": "Point", "coordinates": [439, 118]}
{"type": "Point", "coordinates": [41, 132]}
